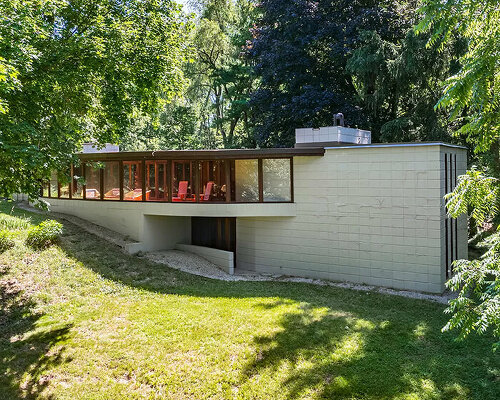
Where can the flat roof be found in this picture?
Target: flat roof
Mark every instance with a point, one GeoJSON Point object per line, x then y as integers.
{"type": "Point", "coordinates": [401, 144]}
{"type": "Point", "coordinates": [218, 154]}
{"type": "Point", "coordinates": [223, 154]}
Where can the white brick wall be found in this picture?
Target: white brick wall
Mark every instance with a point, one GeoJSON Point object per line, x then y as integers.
{"type": "Point", "coordinates": [370, 215]}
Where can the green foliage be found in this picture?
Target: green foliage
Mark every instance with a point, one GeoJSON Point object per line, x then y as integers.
{"type": "Point", "coordinates": [475, 192]}
{"type": "Point", "coordinates": [470, 95]}
{"type": "Point", "coordinates": [477, 307]}
{"type": "Point", "coordinates": [44, 234]}
{"type": "Point", "coordinates": [471, 98]}
{"type": "Point", "coordinates": [173, 128]}
{"type": "Point", "coordinates": [75, 71]}
{"type": "Point", "coordinates": [221, 79]}
{"type": "Point", "coordinates": [399, 81]}
{"type": "Point", "coordinates": [13, 223]}
{"type": "Point", "coordinates": [213, 110]}
{"type": "Point", "coordinates": [6, 241]}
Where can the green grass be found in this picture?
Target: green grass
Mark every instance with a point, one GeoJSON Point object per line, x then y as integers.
{"type": "Point", "coordinates": [82, 320]}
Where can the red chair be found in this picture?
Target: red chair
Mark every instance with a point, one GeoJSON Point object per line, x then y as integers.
{"type": "Point", "coordinates": [208, 191]}
{"type": "Point", "coordinates": [182, 192]}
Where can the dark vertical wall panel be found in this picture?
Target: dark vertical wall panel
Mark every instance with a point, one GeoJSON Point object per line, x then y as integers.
{"type": "Point", "coordinates": [446, 218]}
{"type": "Point", "coordinates": [452, 250]}
{"type": "Point", "coordinates": [456, 222]}
{"type": "Point", "coordinates": [218, 232]}
{"type": "Point", "coordinates": [84, 188]}
{"type": "Point", "coordinates": [101, 182]}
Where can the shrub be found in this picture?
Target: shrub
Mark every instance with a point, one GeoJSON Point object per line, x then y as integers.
{"type": "Point", "coordinates": [5, 241]}
{"type": "Point", "coordinates": [44, 234]}
{"type": "Point", "coordinates": [14, 223]}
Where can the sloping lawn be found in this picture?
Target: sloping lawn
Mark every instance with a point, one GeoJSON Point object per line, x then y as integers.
{"type": "Point", "coordinates": [84, 321]}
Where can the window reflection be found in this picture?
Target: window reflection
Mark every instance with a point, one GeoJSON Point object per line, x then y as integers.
{"type": "Point", "coordinates": [45, 189]}
{"type": "Point", "coordinates": [246, 180]}
{"type": "Point", "coordinates": [54, 187]}
{"type": "Point", "coordinates": [111, 180]}
{"type": "Point", "coordinates": [156, 181]}
{"type": "Point", "coordinates": [77, 182]}
{"type": "Point", "coordinates": [276, 179]}
{"type": "Point", "coordinates": [92, 182]}
{"type": "Point", "coordinates": [132, 181]}
{"type": "Point", "coordinates": [64, 184]}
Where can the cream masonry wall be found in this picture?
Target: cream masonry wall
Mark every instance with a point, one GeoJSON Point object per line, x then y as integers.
{"type": "Point", "coordinates": [158, 226]}
{"type": "Point", "coordinates": [371, 215]}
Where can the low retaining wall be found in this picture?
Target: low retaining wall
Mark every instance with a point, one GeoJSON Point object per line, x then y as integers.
{"type": "Point", "coordinates": [222, 258]}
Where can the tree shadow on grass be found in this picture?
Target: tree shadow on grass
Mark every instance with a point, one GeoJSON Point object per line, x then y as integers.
{"type": "Point", "coordinates": [26, 351]}
{"type": "Point", "coordinates": [333, 354]}
{"type": "Point", "coordinates": [331, 343]}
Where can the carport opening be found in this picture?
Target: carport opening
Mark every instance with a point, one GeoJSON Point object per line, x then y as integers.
{"type": "Point", "coordinates": [215, 232]}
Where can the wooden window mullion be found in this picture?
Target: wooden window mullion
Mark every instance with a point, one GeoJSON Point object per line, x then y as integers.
{"type": "Point", "coordinates": [227, 164]}
{"type": "Point", "coordinates": [121, 178]}
{"type": "Point", "coordinates": [101, 182]}
{"type": "Point", "coordinates": [143, 183]}
{"type": "Point", "coordinates": [84, 186]}
{"type": "Point", "coordinates": [261, 181]}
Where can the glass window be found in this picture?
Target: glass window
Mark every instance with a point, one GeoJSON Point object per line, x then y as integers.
{"type": "Point", "coordinates": [156, 181]}
{"type": "Point", "coordinates": [92, 182]}
{"type": "Point", "coordinates": [111, 180]}
{"type": "Point", "coordinates": [64, 185]}
{"type": "Point", "coordinates": [246, 174]}
{"type": "Point", "coordinates": [276, 179]}
{"type": "Point", "coordinates": [132, 181]}
{"type": "Point", "coordinates": [182, 181]}
{"type": "Point", "coordinates": [213, 180]}
{"type": "Point", "coordinates": [54, 192]}
{"type": "Point", "coordinates": [45, 189]}
{"type": "Point", "coordinates": [77, 183]}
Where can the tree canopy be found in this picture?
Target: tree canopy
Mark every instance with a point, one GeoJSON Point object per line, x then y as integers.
{"type": "Point", "coordinates": [471, 97]}
{"type": "Point", "coordinates": [301, 50]}
{"type": "Point", "coordinates": [471, 94]}
{"type": "Point", "coordinates": [72, 71]}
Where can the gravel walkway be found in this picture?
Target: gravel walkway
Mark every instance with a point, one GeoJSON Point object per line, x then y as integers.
{"type": "Point", "coordinates": [196, 265]}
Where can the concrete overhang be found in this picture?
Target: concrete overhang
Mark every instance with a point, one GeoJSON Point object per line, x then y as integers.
{"type": "Point", "coordinates": [217, 210]}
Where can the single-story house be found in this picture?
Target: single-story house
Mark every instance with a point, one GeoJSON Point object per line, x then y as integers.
{"type": "Point", "coordinates": [333, 207]}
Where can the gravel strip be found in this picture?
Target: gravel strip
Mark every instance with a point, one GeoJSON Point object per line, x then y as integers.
{"type": "Point", "coordinates": [196, 265]}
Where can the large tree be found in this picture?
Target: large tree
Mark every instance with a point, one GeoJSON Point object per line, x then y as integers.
{"type": "Point", "coordinates": [76, 70]}
{"type": "Point", "coordinates": [301, 48]}
{"type": "Point", "coordinates": [221, 77]}
{"type": "Point", "coordinates": [471, 97]}
{"type": "Point", "coordinates": [399, 81]}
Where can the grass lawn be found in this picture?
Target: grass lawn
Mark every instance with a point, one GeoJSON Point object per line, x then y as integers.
{"type": "Point", "coordinates": [84, 321]}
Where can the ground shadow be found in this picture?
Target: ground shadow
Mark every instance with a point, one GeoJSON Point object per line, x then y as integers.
{"type": "Point", "coordinates": [338, 343]}
{"type": "Point", "coordinates": [26, 353]}
{"type": "Point", "coordinates": [337, 355]}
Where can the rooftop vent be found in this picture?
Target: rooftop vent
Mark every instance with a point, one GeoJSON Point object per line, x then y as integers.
{"type": "Point", "coordinates": [338, 119]}
{"type": "Point", "coordinates": [329, 136]}
{"type": "Point", "coordinates": [93, 148]}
